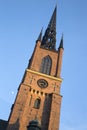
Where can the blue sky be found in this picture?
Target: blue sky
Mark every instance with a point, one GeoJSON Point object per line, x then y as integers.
{"type": "Point", "coordinates": [20, 24]}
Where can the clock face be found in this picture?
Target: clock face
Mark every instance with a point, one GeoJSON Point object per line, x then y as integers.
{"type": "Point", "coordinates": [42, 83]}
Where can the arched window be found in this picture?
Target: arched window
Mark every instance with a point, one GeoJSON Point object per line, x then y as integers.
{"type": "Point", "coordinates": [46, 65]}
{"type": "Point", "coordinates": [37, 103]}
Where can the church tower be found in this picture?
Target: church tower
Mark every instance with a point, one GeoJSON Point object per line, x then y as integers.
{"type": "Point", "coordinates": [38, 99]}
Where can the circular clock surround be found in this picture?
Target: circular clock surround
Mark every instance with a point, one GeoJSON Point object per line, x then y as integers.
{"type": "Point", "coordinates": [42, 83]}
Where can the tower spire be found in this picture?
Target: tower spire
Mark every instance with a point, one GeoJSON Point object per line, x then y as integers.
{"type": "Point", "coordinates": [49, 38]}
{"type": "Point", "coordinates": [61, 42]}
{"type": "Point", "coordinates": [40, 36]}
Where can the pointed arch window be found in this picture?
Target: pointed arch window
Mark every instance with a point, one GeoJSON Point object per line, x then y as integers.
{"type": "Point", "coordinates": [46, 65]}
{"type": "Point", "coordinates": [37, 103]}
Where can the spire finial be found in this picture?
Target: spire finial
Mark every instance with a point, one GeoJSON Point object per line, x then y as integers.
{"type": "Point", "coordinates": [56, 2]}
{"type": "Point", "coordinates": [49, 38]}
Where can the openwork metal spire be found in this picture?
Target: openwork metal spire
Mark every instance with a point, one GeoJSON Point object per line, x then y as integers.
{"type": "Point", "coordinates": [49, 38]}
